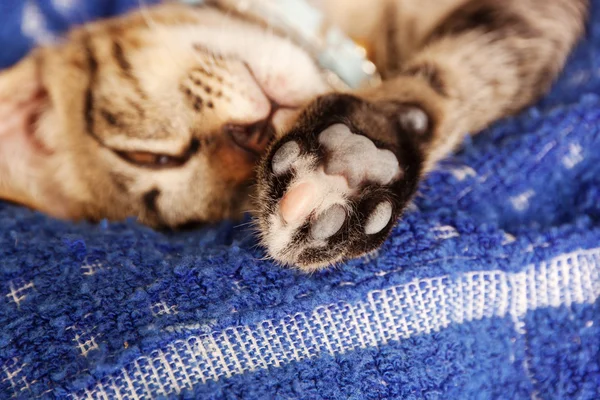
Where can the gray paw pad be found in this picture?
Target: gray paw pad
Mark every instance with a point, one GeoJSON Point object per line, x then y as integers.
{"type": "Point", "coordinates": [379, 218]}
{"type": "Point", "coordinates": [415, 120]}
{"type": "Point", "coordinates": [357, 158]}
{"type": "Point", "coordinates": [285, 157]}
{"type": "Point", "coordinates": [328, 223]}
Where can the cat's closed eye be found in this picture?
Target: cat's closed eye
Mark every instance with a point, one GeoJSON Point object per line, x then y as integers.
{"type": "Point", "coordinates": [147, 159]}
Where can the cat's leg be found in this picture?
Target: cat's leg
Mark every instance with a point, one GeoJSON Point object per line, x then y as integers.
{"type": "Point", "coordinates": [333, 187]}
{"type": "Point", "coordinates": [485, 59]}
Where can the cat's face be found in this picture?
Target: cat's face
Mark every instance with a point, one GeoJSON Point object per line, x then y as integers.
{"type": "Point", "coordinates": [161, 114]}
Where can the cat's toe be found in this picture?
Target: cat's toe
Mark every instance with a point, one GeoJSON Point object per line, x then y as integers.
{"type": "Point", "coordinates": [299, 202]}
{"type": "Point", "coordinates": [328, 223]}
{"type": "Point", "coordinates": [414, 119]}
{"type": "Point", "coordinates": [285, 157]}
{"type": "Point", "coordinates": [379, 218]}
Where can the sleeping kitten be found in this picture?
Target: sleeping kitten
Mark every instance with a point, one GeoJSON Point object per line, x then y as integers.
{"type": "Point", "coordinates": [165, 113]}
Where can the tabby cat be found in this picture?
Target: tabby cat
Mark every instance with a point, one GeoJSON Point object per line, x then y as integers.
{"type": "Point", "coordinates": [177, 114]}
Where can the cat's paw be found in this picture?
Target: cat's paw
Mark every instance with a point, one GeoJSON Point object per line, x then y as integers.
{"type": "Point", "coordinates": [333, 188]}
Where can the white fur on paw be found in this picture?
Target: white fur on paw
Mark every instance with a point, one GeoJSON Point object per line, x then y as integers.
{"type": "Point", "coordinates": [379, 218]}
{"type": "Point", "coordinates": [285, 157]}
{"type": "Point", "coordinates": [357, 158]}
{"type": "Point", "coordinates": [328, 223]}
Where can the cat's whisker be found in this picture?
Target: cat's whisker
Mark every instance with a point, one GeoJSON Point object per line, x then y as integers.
{"type": "Point", "coordinates": [242, 225]}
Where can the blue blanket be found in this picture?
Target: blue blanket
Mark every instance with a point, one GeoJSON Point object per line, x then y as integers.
{"type": "Point", "coordinates": [488, 287]}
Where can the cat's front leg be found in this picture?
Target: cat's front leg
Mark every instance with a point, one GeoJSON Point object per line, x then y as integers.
{"type": "Point", "coordinates": [334, 186]}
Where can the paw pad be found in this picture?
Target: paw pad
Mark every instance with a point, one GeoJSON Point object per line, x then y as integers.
{"type": "Point", "coordinates": [357, 158]}
{"type": "Point", "coordinates": [298, 202]}
{"type": "Point", "coordinates": [379, 218]}
{"type": "Point", "coordinates": [328, 223]}
{"type": "Point", "coordinates": [415, 120]}
{"type": "Point", "coordinates": [285, 157]}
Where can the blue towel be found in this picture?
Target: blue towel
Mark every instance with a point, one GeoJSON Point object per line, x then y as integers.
{"type": "Point", "coordinates": [487, 288]}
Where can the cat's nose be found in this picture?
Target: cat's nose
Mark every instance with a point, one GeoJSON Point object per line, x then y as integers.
{"type": "Point", "coordinates": [253, 138]}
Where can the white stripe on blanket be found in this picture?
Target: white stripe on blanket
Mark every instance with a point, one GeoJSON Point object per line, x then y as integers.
{"type": "Point", "coordinates": [399, 312]}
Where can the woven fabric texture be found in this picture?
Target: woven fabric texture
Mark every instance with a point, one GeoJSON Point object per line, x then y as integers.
{"type": "Point", "coordinates": [487, 288]}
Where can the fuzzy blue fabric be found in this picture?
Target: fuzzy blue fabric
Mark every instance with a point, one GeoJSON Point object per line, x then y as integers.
{"type": "Point", "coordinates": [487, 288]}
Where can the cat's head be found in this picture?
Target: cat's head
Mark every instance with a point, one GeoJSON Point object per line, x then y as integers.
{"type": "Point", "coordinates": [160, 114]}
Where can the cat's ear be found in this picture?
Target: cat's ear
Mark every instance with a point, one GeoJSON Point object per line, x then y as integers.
{"type": "Point", "coordinates": [24, 159]}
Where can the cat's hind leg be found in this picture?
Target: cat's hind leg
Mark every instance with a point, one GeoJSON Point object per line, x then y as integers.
{"type": "Point", "coordinates": [327, 188]}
